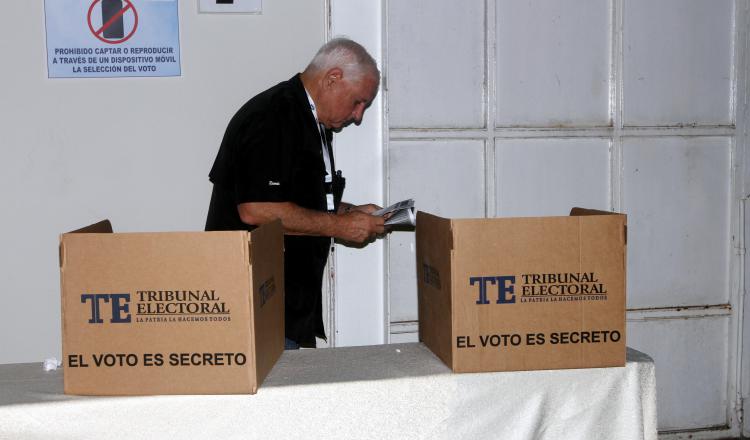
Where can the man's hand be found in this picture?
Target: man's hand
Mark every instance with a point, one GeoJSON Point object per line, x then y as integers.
{"type": "Point", "coordinates": [360, 227]}
{"type": "Point", "coordinates": [345, 207]}
{"type": "Point", "coordinates": [367, 209]}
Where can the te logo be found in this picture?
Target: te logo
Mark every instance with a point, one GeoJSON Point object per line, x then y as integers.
{"type": "Point", "coordinates": [504, 285]}
{"type": "Point", "coordinates": [120, 306]}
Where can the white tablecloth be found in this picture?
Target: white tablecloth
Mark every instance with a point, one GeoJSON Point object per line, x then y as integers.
{"type": "Point", "coordinates": [399, 391]}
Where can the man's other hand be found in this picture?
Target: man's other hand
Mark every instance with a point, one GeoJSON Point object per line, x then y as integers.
{"type": "Point", "coordinates": [360, 227]}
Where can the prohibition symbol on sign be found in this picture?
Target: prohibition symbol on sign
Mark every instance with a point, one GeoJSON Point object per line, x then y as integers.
{"type": "Point", "coordinates": [113, 14]}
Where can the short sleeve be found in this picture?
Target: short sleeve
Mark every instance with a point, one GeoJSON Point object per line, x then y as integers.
{"type": "Point", "coordinates": [262, 161]}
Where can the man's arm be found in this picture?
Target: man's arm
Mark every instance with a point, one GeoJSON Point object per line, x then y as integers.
{"type": "Point", "coordinates": [352, 225]}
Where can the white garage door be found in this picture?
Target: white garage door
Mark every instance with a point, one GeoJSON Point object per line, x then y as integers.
{"type": "Point", "coordinates": [530, 108]}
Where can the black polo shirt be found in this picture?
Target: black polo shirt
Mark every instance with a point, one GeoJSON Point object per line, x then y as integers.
{"type": "Point", "coordinates": [271, 152]}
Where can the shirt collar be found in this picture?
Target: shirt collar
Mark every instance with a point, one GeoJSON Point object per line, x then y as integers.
{"type": "Point", "coordinates": [312, 106]}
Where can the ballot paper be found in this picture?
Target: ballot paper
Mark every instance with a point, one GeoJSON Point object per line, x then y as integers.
{"type": "Point", "coordinates": [401, 213]}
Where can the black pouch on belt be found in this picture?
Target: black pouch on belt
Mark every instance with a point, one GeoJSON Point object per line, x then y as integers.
{"type": "Point", "coordinates": [338, 184]}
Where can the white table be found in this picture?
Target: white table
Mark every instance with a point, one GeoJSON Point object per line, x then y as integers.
{"type": "Point", "coordinates": [399, 391]}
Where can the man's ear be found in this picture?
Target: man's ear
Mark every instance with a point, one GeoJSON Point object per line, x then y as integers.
{"type": "Point", "coordinates": [332, 76]}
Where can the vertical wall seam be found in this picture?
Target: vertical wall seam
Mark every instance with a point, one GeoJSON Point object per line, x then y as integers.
{"type": "Point", "coordinates": [617, 107]}
{"type": "Point", "coordinates": [490, 102]}
{"type": "Point", "coordinates": [331, 263]}
{"type": "Point", "coordinates": [386, 171]}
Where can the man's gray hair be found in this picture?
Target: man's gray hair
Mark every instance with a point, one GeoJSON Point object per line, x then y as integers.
{"type": "Point", "coordinates": [346, 54]}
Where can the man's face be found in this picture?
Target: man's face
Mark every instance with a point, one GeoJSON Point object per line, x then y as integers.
{"type": "Point", "coordinates": [344, 102]}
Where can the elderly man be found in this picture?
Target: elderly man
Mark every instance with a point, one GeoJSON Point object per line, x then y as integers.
{"type": "Point", "coordinates": [276, 162]}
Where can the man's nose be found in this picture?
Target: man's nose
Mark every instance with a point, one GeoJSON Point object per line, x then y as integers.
{"type": "Point", "coordinates": [358, 113]}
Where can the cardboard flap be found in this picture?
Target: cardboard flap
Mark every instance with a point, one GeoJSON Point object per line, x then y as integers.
{"type": "Point", "coordinates": [267, 314]}
{"type": "Point", "coordinates": [102, 227]}
{"type": "Point", "coordinates": [585, 211]}
{"type": "Point", "coordinates": [438, 228]}
{"type": "Point", "coordinates": [580, 212]}
{"type": "Point", "coordinates": [434, 238]}
{"type": "Point", "coordinates": [105, 227]}
{"type": "Point", "coordinates": [267, 228]}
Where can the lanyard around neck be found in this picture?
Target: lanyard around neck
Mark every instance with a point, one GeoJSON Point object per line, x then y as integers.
{"type": "Point", "coordinates": [323, 141]}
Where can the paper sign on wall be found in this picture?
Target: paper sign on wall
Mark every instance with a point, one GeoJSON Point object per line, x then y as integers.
{"type": "Point", "coordinates": [112, 38]}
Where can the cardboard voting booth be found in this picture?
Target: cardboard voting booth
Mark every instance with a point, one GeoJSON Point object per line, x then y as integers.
{"type": "Point", "coordinates": [170, 313]}
{"type": "Point", "coordinates": [523, 293]}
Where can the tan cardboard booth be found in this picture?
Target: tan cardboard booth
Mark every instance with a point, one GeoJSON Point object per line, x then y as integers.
{"type": "Point", "coordinates": [171, 313]}
{"type": "Point", "coordinates": [523, 293]}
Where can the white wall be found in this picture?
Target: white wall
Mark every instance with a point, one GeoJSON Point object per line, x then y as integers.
{"type": "Point", "coordinates": [359, 295]}
{"type": "Point", "coordinates": [65, 161]}
{"type": "Point", "coordinates": [743, 123]}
